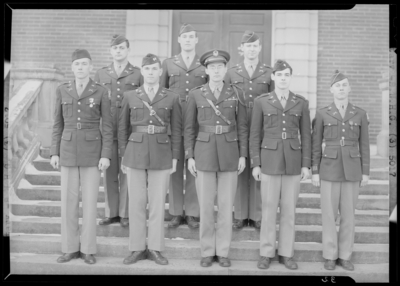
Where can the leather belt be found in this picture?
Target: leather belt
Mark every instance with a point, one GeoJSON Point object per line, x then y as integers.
{"type": "Point", "coordinates": [341, 142]}
{"type": "Point", "coordinates": [80, 125]}
{"type": "Point", "coordinates": [218, 129]}
{"type": "Point", "coordinates": [183, 98]}
{"type": "Point", "coordinates": [283, 135]}
{"type": "Point", "coordinates": [149, 129]}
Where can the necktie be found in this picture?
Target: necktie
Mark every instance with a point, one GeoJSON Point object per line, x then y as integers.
{"type": "Point", "coordinates": [118, 69]}
{"type": "Point", "coordinates": [187, 62]}
{"type": "Point", "coordinates": [151, 93]}
{"type": "Point", "coordinates": [250, 70]}
{"type": "Point", "coordinates": [283, 101]}
{"type": "Point", "coordinates": [217, 92]}
{"type": "Point", "coordinates": [80, 89]}
{"type": "Point", "coordinates": [342, 111]}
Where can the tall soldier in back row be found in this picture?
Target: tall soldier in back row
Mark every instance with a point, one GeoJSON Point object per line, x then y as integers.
{"type": "Point", "coordinates": [181, 73]}
{"type": "Point", "coordinates": [118, 77]}
{"type": "Point", "coordinates": [254, 77]}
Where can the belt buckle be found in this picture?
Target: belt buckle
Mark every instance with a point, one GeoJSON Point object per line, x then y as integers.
{"type": "Point", "coordinates": [341, 142]}
{"type": "Point", "coordinates": [283, 135]}
{"type": "Point", "coordinates": [78, 125]}
{"type": "Point", "coordinates": [150, 129]}
{"type": "Point", "coordinates": [218, 129]}
{"type": "Point", "coordinates": [152, 112]}
{"type": "Point", "coordinates": [251, 104]}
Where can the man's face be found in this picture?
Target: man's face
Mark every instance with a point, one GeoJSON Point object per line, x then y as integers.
{"type": "Point", "coordinates": [251, 50]}
{"type": "Point", "coordinates": [282, 79]}
{"type": "Point", "coordinates": [188, 41]}
{"type": "Point", "coordinates": [216, 71]}
{"type": "Point", "coordinates": [81, 68]}
{"type": "Point", "coordinates": [119, 52]}
{"type": "Point", "coordinates": [341, 89]}
{"type": "Point", "coordinates": [151, 73]}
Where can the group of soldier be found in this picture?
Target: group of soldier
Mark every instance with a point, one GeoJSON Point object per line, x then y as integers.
{"type": "Point", "coordinates": [195, 128]}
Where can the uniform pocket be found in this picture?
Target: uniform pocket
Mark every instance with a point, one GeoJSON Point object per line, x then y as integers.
{"type": "Point", "coordinates": [137, 111]}
{"type": "Point", "coordinates": [330, 129]}
{"type": "Point", "coordinates": [164, 111]}
{"type": "Point", "coordinates": [67, 107]}
{"type": "Point", "coordinates": [229, 108]}
{"type": "Point", "coordinates": [295, 145]}
{"type": "Point", "coordinates": [200, 73]}
{"type": "Point", "coordinates": [238, 81]}
{"type": "Point", "coordinates": [203, 136]}
{"type": "Point", "coordinates": [231, 136]}
{"type": "Point", "coordinates": [330, 153]}
{"type": "Point", "coordinates": [93, 105]}
{"type": "Point", "coordinates": [294, 118]}
{"type": "Point", "coordinates": [92, 135]}
{"type": "Point", "coordinates": [355, 126]}
{"type": "Point", "coordinates": [204, 112]}
{"type": "Point", "coordinates": [355, 153]}
{"type": "Point", "coordinates": [263, 84]}
{"type": "Point", "coordinates": [136, 137]}
{"type": "Point", "coordinates": [66, 135]}
{"type": "Point", "coordinates": [271, 118]}
{"type": "Point", "coordinates": [163, 138]}
{"type": "Point", "coordinates": [269, 144]}
{"type": "Point", "coordinates": [174, 78]}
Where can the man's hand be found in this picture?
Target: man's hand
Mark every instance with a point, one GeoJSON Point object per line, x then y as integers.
{"type": "Point", "coordinates": [305, 173]}
{"type": "Point", "coordinates": [104, 163]}
{"type": "Point", "coordinates": [192, 167]}
{"type": "Point", "coordinates": [364, 181]}
{"type": "Point", "coordinates": [55, 161]}
{"type": "Point", "coordinates": [241, 165]}
{"type": "Point", "coordinates": [174, 162]}
{"type": "Point", "coordinates": [315, 180]}
{"type": "Point", "coordinates": [257, 173]}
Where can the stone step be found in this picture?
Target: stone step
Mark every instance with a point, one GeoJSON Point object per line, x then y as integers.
{"type": "Point", "coordinates": [45, 264]}
{"type": "Point", "coordinates": [303, 216]}
{"type": "Point", "coordinates": [304, 233]}
{"type": "Point", "coordinates": [190, 249]}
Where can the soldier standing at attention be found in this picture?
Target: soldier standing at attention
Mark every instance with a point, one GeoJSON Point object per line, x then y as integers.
{"type": "Point", "coordinates": [181, 73]}
{"type": "Point", "coordinates": [254, 77]}
{"type": "Point", "coordinates": [340, 169]}
{"type": "Point", "coordinates": [149, 158]}
{"type": "Point", "coordinates": [284, 161]}
{"type": "Point", "coordinates": [217, 155]}
{"type": "Point", "coordinates": [118, 77]}
{"type": "Point", "coordinates": [83, 152]}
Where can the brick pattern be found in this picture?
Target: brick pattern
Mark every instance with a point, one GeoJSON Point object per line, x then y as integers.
{"type": "Point", "coordinates": [48, 37]}
{"type": "Point", "coordinates": [356, 42]}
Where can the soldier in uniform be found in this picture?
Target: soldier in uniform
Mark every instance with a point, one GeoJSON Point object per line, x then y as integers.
{"type": "Point", "coordinates": [217, 154]}
{"type": "Point", "coordinates": [284, 161]}
{"type": "Point", "coordinates": [181, 73]}
{"type": "Point", "coordinates": [339, 169]}
{"type": "Point", "coordinates": [149, 157]}
{"type": "Point", "coordinates": [83, 152]}
{"type": "Point", "coordinates": [254, 77]}
{"type": "Point", "coordinates": [118, 77]}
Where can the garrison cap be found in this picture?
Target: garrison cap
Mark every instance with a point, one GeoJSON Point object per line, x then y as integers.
{"type": "Point", "coordinates": [337, 76]}
{"type": "Point", "coordinates": [186, 28]}
{"type": "Point", "coordinates": [249, 37]}
{"type": "Point", "coordinates": [117, 39]}
{"type": "Point", "coordinates": [281, 65]}
{"type": "Point", "coordinates": [214, 56]}
{"type": "Point", "coordinates": [80, 54]}
{"type": "Point", "coordinates": [150, 59]}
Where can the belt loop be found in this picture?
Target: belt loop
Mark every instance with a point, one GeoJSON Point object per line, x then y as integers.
{"type": "Point", "coordinates": [78, 125]}
{"type": "Point", "coordinates": [283, 135]}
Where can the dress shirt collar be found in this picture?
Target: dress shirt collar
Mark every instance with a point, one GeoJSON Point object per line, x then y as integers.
{"type": "Point", "coordinates": [338, 103]}
{"type": "Point", "coordinates": [254, 64]}
{"type": "Point", "coordinates": [155, 87]}
{"type": "Point", "coordinates": [213, 86]}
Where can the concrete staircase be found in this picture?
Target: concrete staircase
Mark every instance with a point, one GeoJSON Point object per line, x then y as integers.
{"type": "Point", "coordinates": [36, 242]}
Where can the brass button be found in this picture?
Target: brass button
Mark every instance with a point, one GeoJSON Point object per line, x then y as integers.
{"type": "Point", "coordinates": [250, 82]}
{"type": "Point", "coordinates": [343, 123]}
{"type": "Point", "coordinates": [118, 82]}
{"type": "Point", "coordinates": [250, 95]}
{"type": "Point", "coordinates": [187, 89]}
{"type": "Point", "coordinates": [118, 96]}
{"type": "Point", "coordinates": [187, 74]}
{"type": "Point", "coordinates": [283, 114]}
{"type": "Point", "coordinates": [283, 121]}
{"type": "Point", "coordinates": [79, 110]}
{"type": "Point", "coordinates": [217, 121]}
{"type": "Point", "coordinates": [217, 106]}
{"type": "Point", "coordinates": [329, 124]}
{"type": "Point", "coordinates": [187, 81]}
{"type": "Point", "coordinates": [284, 129]}
{"type": "Point", "coordinates": [343, 130]}
{"type": "Point", "coordinates": [251, 88]}
{"type": "Point", "coordinates": [79, 118]}
{"type": "Point", "coordinates": [342, 137]}
{"type": "Point", "coordinates": [151, 121]}
{"type": "Point", "coordinates": [79, 102]}
{"type": "Point", "coordinates": [118, 89]}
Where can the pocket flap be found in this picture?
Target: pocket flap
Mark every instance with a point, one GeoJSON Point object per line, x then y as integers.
{"type": "Point", "coordinates": [330, 153]}
{"type": "Point", "coordinates": [355, 153]}
{"type": "Point", "coordinates": [138, 104]}
{"type": "Point", "coordinates": [355, 122]}
{"type": "Point", "coordinates": [203, 136]}
{"type": "Point", "coordinates": [230, 103]}
{"type": "Point", "coordinates": [136, 137]}
{"type": "Point", "coordinates": [174, 72]}
{"type": "Point", "coordinates": [262, 79]}
{"type": "Point", "coordinates": [66, 135]}
{"type": "Point", "coordinates": [295, 112]}
{"type": "Point", "coordinates": [231, 136]}
{"type": "Point", "coordinates": [92, 100]}
{"type": "Point", "coordinates": [237, 80]}
{"type": "Point", "coordinates": [330, 122]}
{"type": "Point", "coordinates": [200, 72]}
{"type": "Point", "coordinates": [269, 144]}
{"type": "Point", "coordinates": [163, 138]}
{"type": "Point", "coordinates": [66, 101]}
{"type": "Point", "coordinates": [105, 80]}
{"type": "Point", "coordinates": [295, 144]}
{"type": "Point", "coordinates": [270, 112]}
{"type": "Point", "coordinates": [92, 135]}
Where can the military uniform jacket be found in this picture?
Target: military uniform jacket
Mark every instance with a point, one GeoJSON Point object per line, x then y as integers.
{"type": "Point", "coordinates": [180, 79]}
{"type": "Point", "coordinates": [260, 82]}
{"type": "Point", "coordinates": [276, 155]}
{"type": "Point", "coordinates": [130, 79]}
{"type": "Point", "coordinates": [81, 147]}
{"type": "Point", "coordinates": [143, 150]}
{"type": "Point", "coordinates": [346, 155]}
{"type": "Point", "coordinates": [216, 152]}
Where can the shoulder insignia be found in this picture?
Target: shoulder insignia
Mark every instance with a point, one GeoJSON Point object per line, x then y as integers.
{"type": "Point", "coordinates": [262, 95]}
{"type": "Point", "coordinates": [300, 96]}
{"type": "Point", "coordinates": [197, 87]}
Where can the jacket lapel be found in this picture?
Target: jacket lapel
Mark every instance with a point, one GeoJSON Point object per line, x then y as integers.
{"type": "Point", "coordinates": [260, 69]}
{"type": "Point", "coordinates": [241, 70]}
{"type": "Point", "coordinates": [207, 93]}
{"type": "Point", "coordinates": [350, 112]}
{"type": "Point", "coordinates": [274, 101]}
{"type": "Point", "coordinates": [71, 90]}
{"type": "Point", "coordinates": [225, 93]}
{"type": "Point", "coordinates": [111, 71]}
{"type": "Point", "coordinates": [195, 64]}
{"type": "Point", "coordinates": [179, 62]}
{"type": "Point", "coordinates": [142, 95]}
{"type": "Point", "coordinates": [334, 112]}
{"type": "Point", "coordinates": [291, 101]}
{"type": "Point", "coordinates": [127, 71]}
{"type": "Point", "coordinates": [160, 95]}
{"type": "Point", "coordinates": [89, 90]}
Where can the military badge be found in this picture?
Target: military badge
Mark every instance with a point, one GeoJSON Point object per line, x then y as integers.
{"type": "Point", "coordinates": [91, 100]}
{"type": "Point", "coordinates": [215, 53]}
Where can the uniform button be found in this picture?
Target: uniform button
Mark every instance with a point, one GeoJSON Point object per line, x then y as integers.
{"type": "Point", "coordinates": [151, 121]}
{"type": "Point", "coordinates": [118, 82]}
{"type": "Point", "coordinates": [79, 102]}
{"type": "Point", "coordinates": [187, 74]}
{"type": "Point", "coordinates": [343, 123]}
{"type": "Point", "coordinates": [79, 110]}
{"type": "Point", "coordinates": [187, 89]}
{"type": "Point", "coordinates": [250, 82]}
{"type": "Point", "coordinates": [118, 96]}
{"type": "Point", "coordinates": [250, 95]}
{"type": "Point", "coordinates": [187, 81]}
{"type": "Point", "coordinates": [217, 121]}
{"type": "Point", "coordinates": [342, 137]}
{"type": "Point", "coordinates": [251, 88]}
{"type": "Point", "coordinates": [283, 114]}
{"type": "Point", "coordinates": [343, 130]}
{"type": "Point", "coordinates": [283, 122]}
{"type": "Point", "coordinates": [329, 124]}
{"type": "Point", "coordinates": [284, 129]}
{"type": "Point", "coordinates": [217, 106]}
{"type": "Point", "coordinates": [118, 89]}
{"type": "Point", "coordinates": [325, 155]}
{"type": "Point", "coordinates": [79, 118]}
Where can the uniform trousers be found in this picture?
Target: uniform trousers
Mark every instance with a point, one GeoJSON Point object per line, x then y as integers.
{"type": "Point", "coordinates": [115, 187]}
{"type": "Point", "coordinates": [88, 179]}
{"type": "Point", "coordinates": [215, 239]}
{"type": "Point", "coordinates": [340, 196]}
{"type": "Point", "coordinates": [176, 186]}
{"type": "Point", "coordinates": [248, 196]}
{"type": "Point", "coordinates": [274, 189]}
{"type": "Point", "coordinates": [143, 184]}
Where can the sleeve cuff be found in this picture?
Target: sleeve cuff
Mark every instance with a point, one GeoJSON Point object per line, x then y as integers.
{"type": "Point", "coordinates": [188, 153]}
{"type": "Point", "coordinates": [175, 154]}
{"type": "Point", "coordinates": [55, 150]}
{"type": "Point", "coordinates": [255, 161]}
{"type": "Point", "coordinates": [306, 162]}
{"type": "Point", "coordinates": [106, 153]}
{"type": "Point", "coordinates": [121, 151]}
{"type": "Point", "coordinates": [315, 170]}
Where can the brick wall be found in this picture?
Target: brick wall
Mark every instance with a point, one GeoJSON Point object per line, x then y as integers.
{"type": "Point", "coordinates": [356, 42]}
{"type": "Point", "coordinates": [47, 37]}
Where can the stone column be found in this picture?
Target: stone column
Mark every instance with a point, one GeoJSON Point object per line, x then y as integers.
{"type": "Point", "coordinates": [383, 136]}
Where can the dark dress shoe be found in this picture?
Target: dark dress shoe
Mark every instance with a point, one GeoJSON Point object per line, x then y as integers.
{"type": "Point", "coordinates": [124, 222]}
{"type": "Point", "coordinates": [157, 257]}
{"type": "Point", "coordinates": [88, 258]}
{"type": "Point", "coordinates": [109, 220]}
{"type": "Point", "coordinates": [289, 263]}
{"type": "Point", "coordinates": [330, 264]}
{"type": "Point", "coordinates": [239, 223]}
{"type": "Point", "coordinates": [135, 257]}
{"type": "Point", "coordinates": [346, 264]}
{"type": "Point", "coordinates": [257, 224]}
{"type": "Point", "coordinates": [207, 261]}
{"type": "Point", "coordinates": [223, 261]}
{"type": "Point", "coordinates": [68, 256]}
{"type": "Point", "coordinates": [263, 263]}
{"type": "Point", "coordinates": [191, 222]}
{"type": "Point", "coordinates": [175, 221]}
